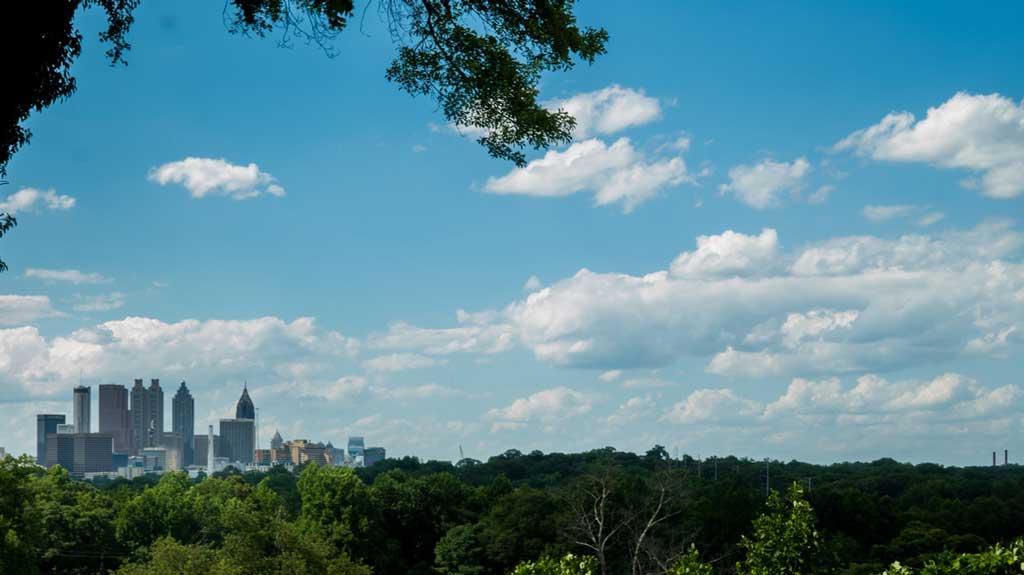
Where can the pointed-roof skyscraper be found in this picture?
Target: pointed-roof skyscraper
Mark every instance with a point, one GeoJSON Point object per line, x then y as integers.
{"type": "Point", "coordinates": [244, 409]}
{"type": "Point", "coordinates": [276, 442]}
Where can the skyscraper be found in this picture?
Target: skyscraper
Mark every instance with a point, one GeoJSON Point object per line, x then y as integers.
{"type": "Point", "coordinates": [277, 441]}
{"type": "Point", "coordinates": [147, 415]}
{"type": "Point", "coordinates": [244, 409]}
{"type": "Point", "coordinates": [356, 446]}
{"type": "Point", "coordinates": [82, 409]}
{"type": "Point", "coordinates": [238, 439]}
{"type": "Point", "coordinates": [183, 422]}
{"type": "Point", "coordinates": [140, 416]}
{"type": "Point", "coordinates": [156, 410]}
{"type": "Point", "coordinates": [46, 424]}
{"type": "Point", "coordinates": [115, 419]}
{"type": "Point", "coordinates": [373, 455]}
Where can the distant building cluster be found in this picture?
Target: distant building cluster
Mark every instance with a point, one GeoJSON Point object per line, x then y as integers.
{"type": "Point", "coordinates": [132, 440]}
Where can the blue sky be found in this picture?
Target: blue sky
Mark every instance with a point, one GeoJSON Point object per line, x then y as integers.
{"type": "Point", "coordinates": [854, 171]}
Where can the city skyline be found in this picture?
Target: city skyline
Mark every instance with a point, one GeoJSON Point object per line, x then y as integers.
{"type": "Point", "coordinates": [815, 255]}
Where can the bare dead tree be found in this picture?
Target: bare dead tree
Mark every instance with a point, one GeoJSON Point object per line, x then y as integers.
{"type": "Point", "coordinates": [595, 520]}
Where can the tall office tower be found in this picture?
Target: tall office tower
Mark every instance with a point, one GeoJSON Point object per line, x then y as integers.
{"type": "Point", "coordinates": [140, 416]}
{"type": "Point", "coordinates": [244, 409]}
{"type": "Point", "coordinates": [46, 424]}
{"type": "Point", "coordinates": [114, 416]}
{"type": "Point", "coordinates": [201, 453]}
{"type": "Point", "coordinates": [277, 441]}
{"type": "Point", "coordinates": [80, 452]}
{"type": "Point", "coordinates": [174, 448]}
{"type": "Point", "coordinates": [183, 422]}
{"type": "Point", "coordinates": [82, 409]}
{"type": "Point", "coordinates": [373, 455]}
{"type": "Point", "coordinates": [93, 452]}
{"type": "Point", "coordinates": [238, 439]}
{"type": "Point", "coordinates": [155, 430]}
{"type": "Point", "coordinates": [356, 447]}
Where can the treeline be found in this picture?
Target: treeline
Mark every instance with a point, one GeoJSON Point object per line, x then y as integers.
{"type": "Point", "coordinates": [601, 511]}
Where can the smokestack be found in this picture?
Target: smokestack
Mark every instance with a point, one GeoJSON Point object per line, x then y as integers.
{"type": "Point", "coordinates": [993, 459]}
{"type": "Point", "coordinates": [1006, 457]}
{"type": "Point", "coordinates": [209, 453]}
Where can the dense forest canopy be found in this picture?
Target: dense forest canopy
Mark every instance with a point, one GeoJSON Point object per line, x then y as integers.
{"type": "Point", "coordinates": [596, 512]}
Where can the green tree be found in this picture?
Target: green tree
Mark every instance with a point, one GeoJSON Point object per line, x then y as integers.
{"type": "Point", "coordinates": [568, 564]}
{"type": "Point", "coordinates": [337, 505]}
{"type": "Point", "coordinates": [460, 552]}
{"type": "Point", "coordinates": [20, 528]}
{"type": "Point", "coordinates": [480, 60]}
{"type": "Point", "coordinates": [689, 563]}
{"type": "Point", "coordinates": [785, 540]}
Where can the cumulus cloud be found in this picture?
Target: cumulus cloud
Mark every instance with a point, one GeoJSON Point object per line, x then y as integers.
{"type": "Point", "coordinates": [400, 362]}
{"type": "Point", "coordinates": [217, 177]}
{"type": "Point", "coordinates": [478, 333]}
{"type": "Point", "coordinates": [821, 195]}
{"type": "Point", "coordinates": [852, 304]}
{"type": "Point", "coordinates": [615, 174]}
{"type": "Point", "coordinates": [31, 199]}
{"type": "Point", "coordinates": [532, 283]}
{"type": "Point", "coordinates": [760, 184]}
{"type": "Point", "coordinates": [103, 302]}
{"type": "Point", "coordinates": [70, 276]}
{"type": "Point", "coordinates": [882, 213]}
{"type": "Point", "coordinates": [545, 407]}
{"type": "Point", "coordinates": [950, 393]}
{"type": "Point", "coordinates": [19, 309]}
{"type": "Point", "coordinates": [609, 110]}
{"type": "Point", "coordinates": [729, 254]}
{"type": "Point", "coordinates": [980, 133]}
{"type": "Point", "coordinates": [712, 405]}
{"type": "Point", "coordinates": [633, 409]}
{"type": "Point", "coordinates": [266, 348]}
{"type": "Point", "coordinates": [931, 218]}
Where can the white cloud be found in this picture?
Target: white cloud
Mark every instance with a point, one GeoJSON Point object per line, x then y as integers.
{"type": "Point", "coordinates": [476, 335]}
{"type": "Point", "coordinates": [610, 375]}
{"type": "Point", "coordinates": [28, 199]}
{"type": "Point", "coordinates": [295, 353]}
{"type": "Point", "coordinates": [713, 405]}
{"type": "Point", "coordinates": [729, 254]}
{"type": "Point", "coordinates": [401, 362]}
{"type": "Point", "coordinates": [546, 407]}
{"type": "Point", "coordinates": [950, 394]}
{"type": "Point", "coordinates": [759, 185]}
{"type": "Point", "coordinates": [634, 408]}
{"type": "Point", "coordinates": [19, 309]}
{"type": "Point", "coordinates": [609, 110]}
{"type": "Point", "coordinates": [821, 195]}
{"type": "Point", "coordinates": [423, 391]}
{"type": "Point", "coordinates": [217, 177]}
{"type": "Point", "coordinates": [993, 343]}
{"type": "Point", "coordinates": [615, 174]}
{"type": "Point", "coordinates": [882, 213]}
{"type": "Point", "coordinates": [533, 283]}
{"type": "Point", "coordinates": [854, 304]}
{"type": "Point", "coordinates": [104, 302]}
{"type": "Point", "coordinates": [931, 218]}
{"type": "Point", "coordinates": [981, 133]}
{"type": "Point", "coordinates": [813, 324]}
{"type": "Point", "coordinates": [71, 276]}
